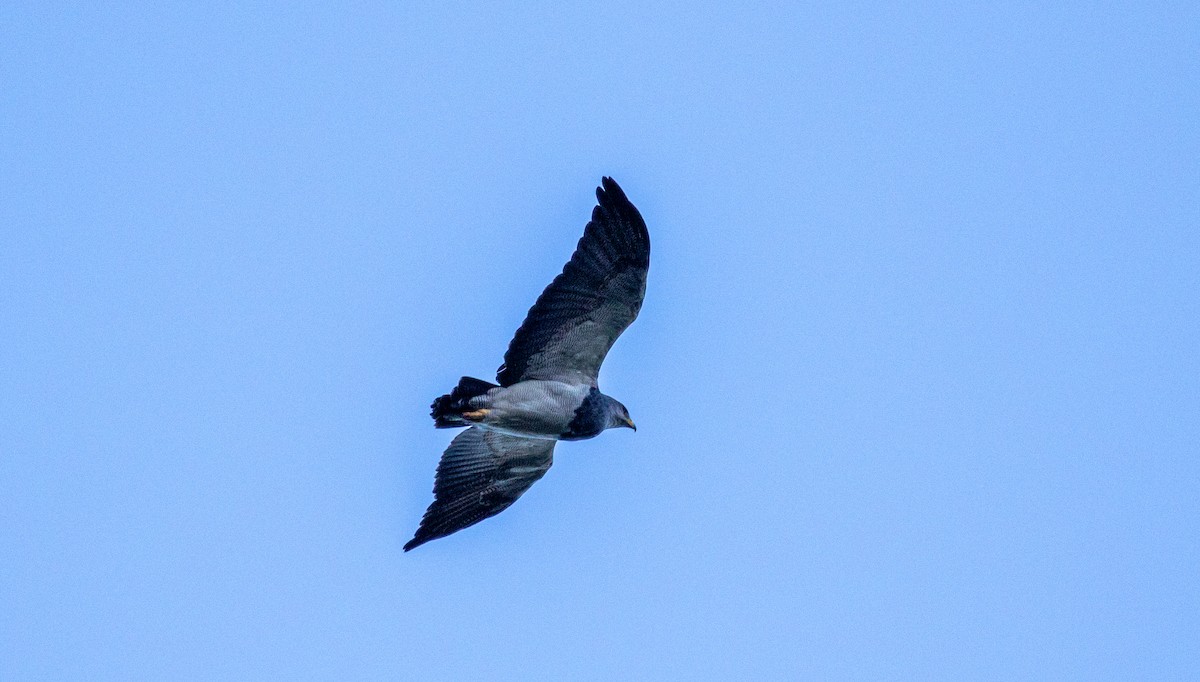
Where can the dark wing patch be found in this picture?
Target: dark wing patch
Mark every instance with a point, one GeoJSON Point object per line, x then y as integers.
{"type": "Point", "coordinates": [480, 475]}
{"type": "Point", "coordinates": [576, 320]}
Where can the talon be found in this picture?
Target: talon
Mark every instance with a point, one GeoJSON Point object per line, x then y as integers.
{"type": "Point", "coordinates": [476, 416]}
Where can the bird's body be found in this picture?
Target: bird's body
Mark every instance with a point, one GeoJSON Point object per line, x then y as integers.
{"type": "Point", "coordinates": [537, 408]}
{"type": "Point", "coordinates": [547, 388]}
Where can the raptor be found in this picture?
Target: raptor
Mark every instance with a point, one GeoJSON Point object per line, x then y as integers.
{"type": "Point", "coordinates": [547, 389]}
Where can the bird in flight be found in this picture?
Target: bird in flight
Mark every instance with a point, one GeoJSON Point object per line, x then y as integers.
{"type": "Point", "coordinates": [546, 389]}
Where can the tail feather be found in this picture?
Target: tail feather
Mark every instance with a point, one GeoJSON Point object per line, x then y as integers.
{"type": "Point", "coordinates": [447, 410]}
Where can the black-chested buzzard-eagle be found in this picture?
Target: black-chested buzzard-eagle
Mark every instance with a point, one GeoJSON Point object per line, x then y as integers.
{"type": "Point", "coordinates": [547, 388]}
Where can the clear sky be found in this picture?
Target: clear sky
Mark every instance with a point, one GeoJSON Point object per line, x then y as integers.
{"type": "Point", "coordinates": [917, 378]}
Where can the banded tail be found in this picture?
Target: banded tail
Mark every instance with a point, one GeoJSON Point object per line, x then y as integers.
{"type": "Point", "coordinates": [447, 410]}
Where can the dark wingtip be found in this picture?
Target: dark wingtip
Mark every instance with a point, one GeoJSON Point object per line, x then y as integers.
{"type": "Point", "coordinates": [608, 186]}
{"type": "Point", "coordinates": [613, 206]}
{"type": "Point", "coordinates": [417, 541]}
{"type": "Point", "coordinates": [611, 199]}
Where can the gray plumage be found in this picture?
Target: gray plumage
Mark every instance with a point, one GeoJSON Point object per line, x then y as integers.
{"type": "Point", "coordinates": [547, 387]}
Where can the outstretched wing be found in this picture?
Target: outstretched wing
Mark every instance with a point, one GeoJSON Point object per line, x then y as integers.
{"type": "Point", "coordinates": [480, 475]}
{"type": "Point", "coordinates": [570, 328]}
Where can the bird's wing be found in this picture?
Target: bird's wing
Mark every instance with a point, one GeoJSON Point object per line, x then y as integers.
{"type": "Point", "coordinates": [480, 475]}
{"type": "Point", "coordinates": [570, 328]}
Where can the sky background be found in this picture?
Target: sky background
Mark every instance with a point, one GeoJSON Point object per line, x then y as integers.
{"type": "Point", "coordinates": [917, 378]}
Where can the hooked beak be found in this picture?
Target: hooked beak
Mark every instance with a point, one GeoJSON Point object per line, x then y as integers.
{"type": "Point", "coordinates": [630, 424]}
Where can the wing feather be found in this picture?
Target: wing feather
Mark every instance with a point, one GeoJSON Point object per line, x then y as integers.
{"type": "Point", "coordinates": [480, 475]}
{"type": "Point", "coordinates": [576, 320]}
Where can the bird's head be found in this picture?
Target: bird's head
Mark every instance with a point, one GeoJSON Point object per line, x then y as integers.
{"type": "Point", "coordinates": [618, 417]}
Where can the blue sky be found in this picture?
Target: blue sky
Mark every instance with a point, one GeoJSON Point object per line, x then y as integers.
{"type": "Point", "coordinates": [917, 378]}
